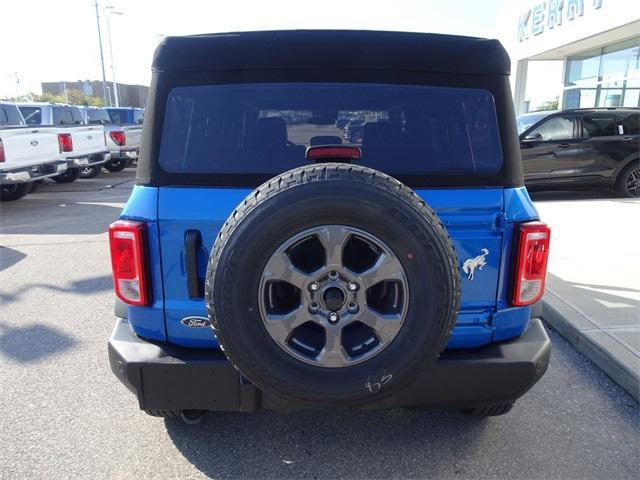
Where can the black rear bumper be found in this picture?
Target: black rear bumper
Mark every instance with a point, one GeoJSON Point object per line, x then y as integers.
{"type": "Point", "coordinates": [164, 376]}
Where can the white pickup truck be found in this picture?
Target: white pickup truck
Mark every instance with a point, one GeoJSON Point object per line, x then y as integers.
{"type": "Point", "coordinates": [88, 144]}
{"type": "Point", "coordinates": [27, 153]}
{"type": "Point", "coordinates": [123, 138]}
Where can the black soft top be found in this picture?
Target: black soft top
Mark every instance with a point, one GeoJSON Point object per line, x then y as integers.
{"type": "Point", "coordinates": [303, 49]}
{"type": "Point", "coordinates": [341, 56]}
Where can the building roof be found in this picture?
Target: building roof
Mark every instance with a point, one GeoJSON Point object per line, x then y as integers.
{"type": "Point", "coordinates": [332, 49]}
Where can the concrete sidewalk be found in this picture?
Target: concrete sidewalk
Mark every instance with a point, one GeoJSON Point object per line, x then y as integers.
{"type": "Point", "coordinates": [593, 287]}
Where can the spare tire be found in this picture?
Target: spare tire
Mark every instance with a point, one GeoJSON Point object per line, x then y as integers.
{"type": "Point", "coordinates": [332, 286]}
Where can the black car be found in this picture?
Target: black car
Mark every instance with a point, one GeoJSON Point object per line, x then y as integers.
{"type": "Point", "coordinates": [582, 148]}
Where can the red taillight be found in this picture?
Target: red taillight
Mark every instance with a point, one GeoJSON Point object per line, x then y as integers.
{"type": "Point", "coordinates": [531, 264]}
{"type": "Point", "coordinates": [65, 142]}
{"type": "Point", "coordinates": [333, 151]}
{"type": "Point", "coordinates": [1, 152]}
{"type": "Point", "coordinates": [126, 240]}
{"type": "Point", "coordinates": [118, 137]}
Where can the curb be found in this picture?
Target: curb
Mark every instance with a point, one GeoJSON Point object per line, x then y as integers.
{"type": "Point", "coordinates": [622, 366]}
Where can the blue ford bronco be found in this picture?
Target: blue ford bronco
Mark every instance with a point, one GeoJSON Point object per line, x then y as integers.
{"type": "Point", "coordinates": [267, 260]}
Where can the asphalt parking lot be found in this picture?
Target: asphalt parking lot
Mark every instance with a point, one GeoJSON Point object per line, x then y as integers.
{"type": "Point", "coordinates": [66, 415]}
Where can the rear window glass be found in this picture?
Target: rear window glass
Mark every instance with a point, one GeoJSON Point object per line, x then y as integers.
{"type": "Point", "coordinates": [120, 117]}
{"type": "Point", "coordinates": [32, 115]}
{"type": "Point", "coordinates": [67, 116]}
{"type": "Point", "coordinates": [138, 117]}
{"type": "Point", "coordinates": [266, 128]}
{"type": "Point", "coordinates": [10, 115]}
{"type": "Point", "coordinates": [98, 116]}
{"type": "Point", "coordinates": [76, 115]}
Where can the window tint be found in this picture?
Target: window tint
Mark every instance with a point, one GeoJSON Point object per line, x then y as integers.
{"type": "Point", "coordinates": [599, 125]}
{"type": "Point", "coordinates": [98, 116]}
{"type": "Point", "coordinates": [118, 116]}
{"type": "Point", "coordinates": [62, 116]}
{"type": "Point", "coordinates": [138, 117]}
{"type": "Point", "coordinates": [76, 115]}
{"type": "Point", "coordinates": [10, 115]}
{"type": "Point", "coordinates": [556, 128]}
{"type": "Point", "coordinates": [529, 119]}
{"type": "Point", "coordinates": [32, 115]}
{"type": "Point", "coordinates": [266, 128]}
{"type": "Point", "coordinates": [631, 124]}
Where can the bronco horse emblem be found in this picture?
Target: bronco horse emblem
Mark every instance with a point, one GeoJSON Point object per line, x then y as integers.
{"type": "Point", "coordinates": [470, 264]}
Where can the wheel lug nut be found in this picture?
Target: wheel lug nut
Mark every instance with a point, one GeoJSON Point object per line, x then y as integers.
{"type": "Point", "coordinates": [314, 307]}
{"type": "Point", "coordinates": [333, 317]}
{"type": "Point", "coordinates": [352, 286]}
{"type": "Point", "coordinates": [352, 307]}
{"type": "Point", "coordinates": [314, 286]}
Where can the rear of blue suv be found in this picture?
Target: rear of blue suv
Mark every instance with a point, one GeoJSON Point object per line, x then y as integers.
{"type": "Point", "coordinates": [266, 260]}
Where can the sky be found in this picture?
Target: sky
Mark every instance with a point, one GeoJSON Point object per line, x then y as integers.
{"type": "Point", "coordinates": [61, 40]}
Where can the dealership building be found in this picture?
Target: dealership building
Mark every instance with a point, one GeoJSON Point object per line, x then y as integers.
{"type": "Point", "coordinates": [598, 42]}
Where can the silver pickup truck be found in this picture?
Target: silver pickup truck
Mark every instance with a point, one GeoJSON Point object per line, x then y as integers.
{"type": "Point", "coordinates": [86, 145]}
{"type": "Point", "coordinates": [27, 153]}
{"type": "Point", "coordinates": [122, 138]}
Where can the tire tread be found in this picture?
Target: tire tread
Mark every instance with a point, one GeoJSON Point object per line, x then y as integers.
{"type": "Point", "coordinates": [322, 172]}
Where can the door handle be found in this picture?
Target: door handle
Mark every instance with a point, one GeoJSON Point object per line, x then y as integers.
{"type": "Point", "coordinates": [564, 145]}
{"type": "Point", "coordinates": [628, 139]}
{"type": "Point", "coordinates": [192, 243]}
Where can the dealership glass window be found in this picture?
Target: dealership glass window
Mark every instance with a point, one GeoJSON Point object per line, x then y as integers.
{"type": "Point", "coordinates": [621, 59]}
{"type": "Point", "coordinates": [580, 97]}
{"type": "Point", "coordinates": [583, 69]}
{"type": "Point", "coordinates": [606, 77]}
{"type": "Point", "coordinates": [610, 97]}
{"type": "Point", "coordinates": [631, 97]}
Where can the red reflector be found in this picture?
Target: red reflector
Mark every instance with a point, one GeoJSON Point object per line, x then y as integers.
{"type": "Point", "coordinates": [531, 264]}
{"type": "Point", "coordinates": [65, 142]}
{"type": "Point", "coordinates": [127, 261]}
{"type": "Point", "coordinates": [333, 151]}
{"type": "Point", "coordinates": [118, 137]}
{"type": "Point", "coordinates": [2, 159]}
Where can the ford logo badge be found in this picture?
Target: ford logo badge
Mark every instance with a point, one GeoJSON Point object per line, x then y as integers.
{"type": "Point", "coordinates": [89, 137]}
{"type": "Point", "coordinates": [34, 143]}
{"type": "Point", "coordinates": [196, 322]}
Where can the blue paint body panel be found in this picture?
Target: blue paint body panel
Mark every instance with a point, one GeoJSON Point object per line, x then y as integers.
{"type": "Point", "coordinates": [148, 321]}
{"type": "Point", "coordinates": [475, 219]}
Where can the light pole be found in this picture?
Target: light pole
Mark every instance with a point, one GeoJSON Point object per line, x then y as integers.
{"type": "Point", "coordinates": [112, 11]}
{"type": "Point", "coordinates": [104, 75]}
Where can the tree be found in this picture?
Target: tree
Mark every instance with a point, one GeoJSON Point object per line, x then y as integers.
{"type": "Point", "coordinates": [73, 97]}
{"type": "Point", "coordinates": [549, 105]}
{"type": "Point", "coordinates": [76, 97]}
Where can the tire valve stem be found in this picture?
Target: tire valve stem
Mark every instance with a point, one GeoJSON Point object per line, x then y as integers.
{"type": "Point", "coordinates": [333, 318]}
